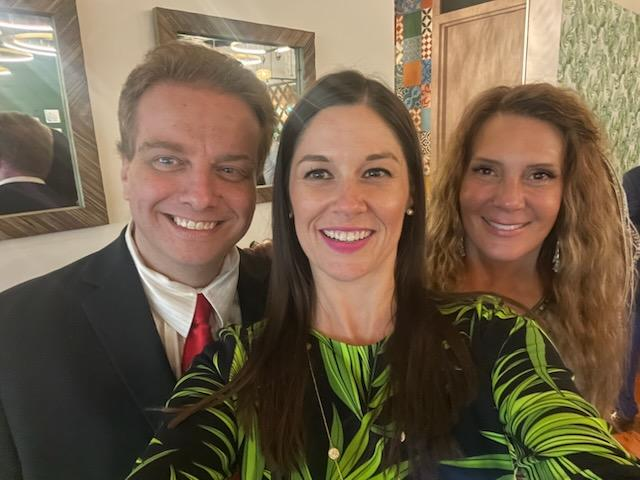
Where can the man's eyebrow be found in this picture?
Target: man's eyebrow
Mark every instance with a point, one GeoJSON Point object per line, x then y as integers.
{"type": "Point", "coordinates": [151, 144]}
{"type": "Point", "coordinates": [178, 148]}
{"type": "Point", "coordinates": [233, 157]}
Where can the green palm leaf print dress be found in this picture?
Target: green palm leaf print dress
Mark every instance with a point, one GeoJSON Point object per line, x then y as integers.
{"type": "Point", "coordinates": [527, 420]}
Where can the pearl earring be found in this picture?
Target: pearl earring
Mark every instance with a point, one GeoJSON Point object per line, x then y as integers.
{"type": "Point", "coordinates": [409, 211]}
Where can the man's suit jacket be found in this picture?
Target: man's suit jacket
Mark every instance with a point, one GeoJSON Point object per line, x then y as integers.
{"type": "Point", "coordinates": [21, 197]}
{"type": "Point", "coordinates": [82, 367]}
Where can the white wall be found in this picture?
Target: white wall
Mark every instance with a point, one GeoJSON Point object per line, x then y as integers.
{"type": "Point", "coordinates": [116, 34]}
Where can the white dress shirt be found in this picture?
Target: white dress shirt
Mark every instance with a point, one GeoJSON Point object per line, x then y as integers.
{"type": "Point", "coordinates": [173, 304]}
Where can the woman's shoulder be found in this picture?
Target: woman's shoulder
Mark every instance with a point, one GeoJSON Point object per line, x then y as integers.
{"type": "Point", "coordinates": [484, 318]}
{"type": "Point", "coordinates": [472, 311]}
{"type": "Point", "coordinates": [222, 359]}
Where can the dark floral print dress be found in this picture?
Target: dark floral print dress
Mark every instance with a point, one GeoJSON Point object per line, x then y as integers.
{"type": "Point", "coordinates": [527, 420]}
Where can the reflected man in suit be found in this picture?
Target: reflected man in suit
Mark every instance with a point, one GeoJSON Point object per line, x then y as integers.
{"type": "Point", "coordinates": [89, 351]}
{"type": "Point", "coordinates": [26, 154]}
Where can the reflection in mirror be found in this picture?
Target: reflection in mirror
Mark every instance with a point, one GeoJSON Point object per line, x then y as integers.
{"type": "Point", "coordinates": [277, 66]}
{"type": "Point", "coordinates": [37, 171]}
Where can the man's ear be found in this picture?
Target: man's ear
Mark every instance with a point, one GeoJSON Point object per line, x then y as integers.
{"type": "Point", "coordinates": [124, 177]}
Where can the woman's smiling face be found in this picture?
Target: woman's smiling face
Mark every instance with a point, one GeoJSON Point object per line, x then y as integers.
{"type": "Point", "coordinates": [349, 190]}
{"type": "Point", "coordinates": [512, 189]}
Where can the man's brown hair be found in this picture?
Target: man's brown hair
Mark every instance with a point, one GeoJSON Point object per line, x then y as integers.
{"type": "Point", "coordinates": [189, 63]}
{"type": "Point", "coordinates": [26, 146]}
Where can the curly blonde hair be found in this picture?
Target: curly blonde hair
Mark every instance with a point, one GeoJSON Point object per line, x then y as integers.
{"type": "Point", "coordinates": [589, 298]}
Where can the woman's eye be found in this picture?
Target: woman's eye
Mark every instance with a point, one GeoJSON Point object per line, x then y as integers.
{"type": "Point", "coordinates": [482, 170]}
{"type": "Point", "coordinates": [542, 175]}
{"type": "Point", "coordinates": [317, 174]}
{"type": "Point", "coordinates": [377, 173]}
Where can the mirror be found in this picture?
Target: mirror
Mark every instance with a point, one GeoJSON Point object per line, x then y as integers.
{"type": "Point", "coordinates": [49, 173]}
{"type": "Point", "coordinates": [283, 58]}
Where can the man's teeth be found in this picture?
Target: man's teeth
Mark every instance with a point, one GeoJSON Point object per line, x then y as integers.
{"type": "Point", "coordinates": [193, 225]}
{"type": "Point", "coordinates": [505, 227]}
{"type": "Point", "coordinates": [343, 236]}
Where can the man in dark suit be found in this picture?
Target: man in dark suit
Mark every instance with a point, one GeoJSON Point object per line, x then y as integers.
{"type": "Point", "coordinates": [90, 353]}
{"type": "Point", "coordinates": [26, 155]}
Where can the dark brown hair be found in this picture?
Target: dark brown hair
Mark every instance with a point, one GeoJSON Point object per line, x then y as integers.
{"type": "Point", "coordinates": [184, 62]}
{"type": "Point", "coordinates": [26, 145]}
{"type": "Point", "coordinates": [426, 391]}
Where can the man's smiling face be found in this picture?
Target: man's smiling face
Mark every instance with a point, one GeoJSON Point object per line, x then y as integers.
{"type": "Point", "coordinates": [191, 181]}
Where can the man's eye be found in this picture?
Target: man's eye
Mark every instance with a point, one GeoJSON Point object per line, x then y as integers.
{"type": "Point", "coordinates": [233, 173]}
{"type": "Point", "coordinates": [377, 173]}
{"type": "Point", "coordinates": [317, 174]}
{"type": "Point", "coordinates": [166, 162]}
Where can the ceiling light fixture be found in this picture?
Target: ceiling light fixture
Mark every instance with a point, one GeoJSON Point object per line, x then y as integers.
{"type": "Point", "coordinates": [9, 55]}
{"type": "Point", "coordinates": [243, 48]}
{"type": "Point", "coordinates": [25, 26]}
{"type": "Point", "coordinates": [4, 71]}
{"type": "Point", "coordinates": [37, 43]}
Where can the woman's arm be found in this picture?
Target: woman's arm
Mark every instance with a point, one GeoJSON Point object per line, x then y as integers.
{"type": "Point", "coordinates": [205, 445]}
{"type": "Point", "coordinates": [550, 431]}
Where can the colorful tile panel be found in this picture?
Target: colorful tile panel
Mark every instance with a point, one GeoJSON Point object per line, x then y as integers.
{"type": "Point", "coordinates": [412, 74]}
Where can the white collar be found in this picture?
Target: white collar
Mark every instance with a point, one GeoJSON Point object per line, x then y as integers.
{"type": "Point", "coordinates": [22, 179]}
{"type": "Point", "coordinates": [175, 302]}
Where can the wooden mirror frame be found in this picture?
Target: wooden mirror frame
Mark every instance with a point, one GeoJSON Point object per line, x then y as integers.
{"type": "Point", "coordinates": [170, 23]}
{"type": "Point", "coordinates": [64, 17]}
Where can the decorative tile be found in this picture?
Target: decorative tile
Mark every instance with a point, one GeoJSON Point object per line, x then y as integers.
{"type": "Point", "coordinates": [426, 47]}
{"type": "Point", "coordinates": [426, 3]}
{"type": "Point", "coordinates": [411, 49]}
{"type": "Point", "coordinates": [426, 21]}
{"type": "Point", "coordinates": [425, 96]}
{"type": "Point", "coordinates": [398, 77]}
{"type": "Point", "coordinates": [399, 28]}
{"type": "Point", "coordinates": [412, 98]}
{"type": "Point", "coordinates": [425, 120]}
{"type": "Point", "coordinates": [425, 149]}
{"type": "Point", "coordinates": [412, 74]}
{"type": "Point", "coordinates": [407, 6]}
{"type": "Point", "coordinates": [426, 71]}
{"type": "Point", "coordinates": [415, 116]}
{"type": "Point", "coordinates": [398, 53]}
{"type": "Point", "coordinates": [401, 92]}
{"type": "Point", "coordinates": [412, 23]}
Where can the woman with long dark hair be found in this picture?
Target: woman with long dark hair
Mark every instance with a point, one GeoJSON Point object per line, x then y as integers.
{"type": "Point", "coordinates": [358, 371]}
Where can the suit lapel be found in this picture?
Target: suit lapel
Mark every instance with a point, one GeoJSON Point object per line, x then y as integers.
{"type": "Point", "coordinates": [119, 313]}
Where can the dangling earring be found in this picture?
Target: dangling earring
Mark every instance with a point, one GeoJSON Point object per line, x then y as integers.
{"type": "Point", "coordinates": [290, 215]}
{"type": "Point", "coordinates": [409, 211]}
{"type": "Point", "coordinates": [461, 251]}
{"type": "Point", "coordinates": [555, 261]}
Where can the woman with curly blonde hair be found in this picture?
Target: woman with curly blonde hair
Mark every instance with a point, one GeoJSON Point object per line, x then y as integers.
{"type": "Point", "coordinates": [526, 204]}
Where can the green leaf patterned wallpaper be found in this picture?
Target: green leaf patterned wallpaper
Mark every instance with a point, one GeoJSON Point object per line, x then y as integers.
{"type": "Point", "coordinates": [600, 58]}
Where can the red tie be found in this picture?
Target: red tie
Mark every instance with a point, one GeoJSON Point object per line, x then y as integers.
{"type": "Point", "coordinates": [199, 333]}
